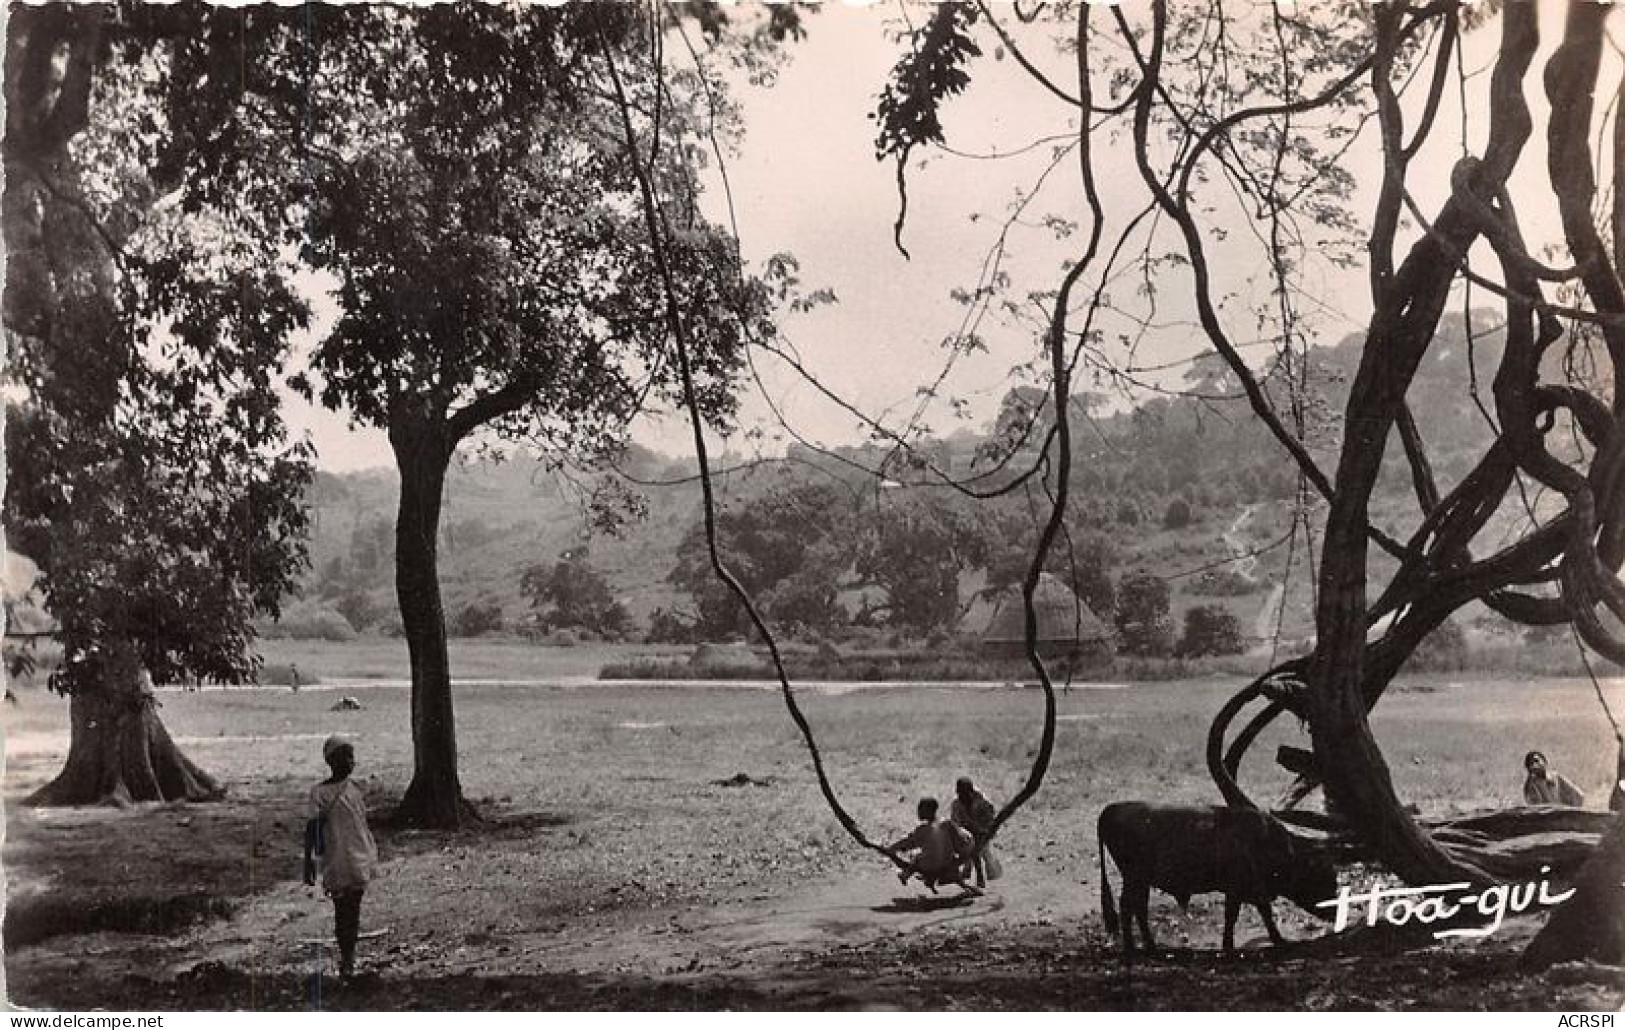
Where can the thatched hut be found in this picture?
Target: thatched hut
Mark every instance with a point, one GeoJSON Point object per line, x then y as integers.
{"type": "Point", "coordinates": [1066, 626]}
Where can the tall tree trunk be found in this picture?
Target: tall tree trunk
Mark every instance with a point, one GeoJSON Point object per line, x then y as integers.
{"type": "Point", "coordinates": [434, 798]}
{"type": "Point", "coordinates": [1590, 925]}
{"type": "Point", "coordinates": [1408, 305]}
{"type": "Point", "coordinates": [119, 751]}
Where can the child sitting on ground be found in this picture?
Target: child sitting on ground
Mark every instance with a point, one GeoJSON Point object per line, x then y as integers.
{"type": "Point", "coordinates": [337, 839]}
{"type": "Point", "coordinates": [942, 848]}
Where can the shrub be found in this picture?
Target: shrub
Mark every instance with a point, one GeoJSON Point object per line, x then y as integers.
{"type": "Point", "coordinates": [312, 622]}
{"type": "Point", "coordinates": [1223, 583]}
{"type": "Point", "coordinates": [1211, 629]}
{"type": "Point", "coordinates": [1443, 650]}
{"type": "Point", "coordinates": [667, 627]}
{"type": "Point", "coordinates": [1145, 626]}
{"type": "Point", "coordinates": [477, 618]}
{"type": "Point", "coordinates": [571, 594]}
{"type": "Point", "coordinates": [358, 609]}
{"type": "Point", "coordinates": [1178, 515]}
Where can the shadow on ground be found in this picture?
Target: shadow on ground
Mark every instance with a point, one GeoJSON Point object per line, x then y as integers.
{"type": "Point", "coordinates": [998, 970]}
{"type": "Point", "coordinates": [919, 904]}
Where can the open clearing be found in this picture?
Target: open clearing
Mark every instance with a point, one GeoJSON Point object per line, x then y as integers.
{"type": "Point", "coordinates": [619, 869]}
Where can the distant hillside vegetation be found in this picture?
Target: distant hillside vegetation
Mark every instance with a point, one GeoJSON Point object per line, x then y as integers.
{"type": "Point", "coordinates": [1173, 487]}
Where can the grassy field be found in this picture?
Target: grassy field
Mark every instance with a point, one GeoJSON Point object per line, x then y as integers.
{"type": "Point", "coordinates": [499, 660]}
{"type": "Point", "coordinates": [611, 821]}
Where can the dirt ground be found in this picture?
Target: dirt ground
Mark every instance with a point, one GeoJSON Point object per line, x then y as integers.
{"type": "Point", "coordinates": [620, 867]}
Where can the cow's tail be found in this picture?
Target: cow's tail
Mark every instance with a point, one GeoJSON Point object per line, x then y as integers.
{"type": "Point", "coordinates": [1108, 909]}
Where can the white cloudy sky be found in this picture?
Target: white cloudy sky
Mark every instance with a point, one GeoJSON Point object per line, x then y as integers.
{"type": "Point", "coordinates": [807, 182]}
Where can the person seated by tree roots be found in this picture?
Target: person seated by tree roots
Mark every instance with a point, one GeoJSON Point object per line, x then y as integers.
{"type": "Point", "coordinates": [338, 840]}
{"type": "Point", "coordinates": [1544, 787]}
{"type": "Point", "coordinates": [942, 850]}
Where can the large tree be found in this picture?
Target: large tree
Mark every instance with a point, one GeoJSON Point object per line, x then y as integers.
{"type": "Point", "coordinates": [787, 548]}
{"type": "Point", "coordinates": [456, 174]}
{"type": "Point", "coordinates": [1240, 128]}
{"type": "Point", "coordinates": [453, 169]}
{"type": "Point", "coordinates": [914, 549]}
{"type": "Point", "coordinates": [149, 475]}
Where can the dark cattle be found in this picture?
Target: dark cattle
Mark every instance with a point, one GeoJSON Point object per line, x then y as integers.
{"type": "Point", "coordinates": [1185, 850]}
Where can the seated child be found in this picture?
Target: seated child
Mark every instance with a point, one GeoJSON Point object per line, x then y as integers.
{"type": "Point", "coordinates": [942, 848]}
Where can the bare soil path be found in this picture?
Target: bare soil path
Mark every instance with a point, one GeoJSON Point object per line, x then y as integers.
{"type": "Point", "coordinates": [624, 864]}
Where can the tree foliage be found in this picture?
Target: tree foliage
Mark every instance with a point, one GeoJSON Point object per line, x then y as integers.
{"type": "Point", "coordinates": [1242, 119]}
{"type": "Point", "coordinates": [150, 474]}
{"type": "Point", "coordinates": [571, 594]}
{"type": "Point", "coordinates": [1145, 626]}
{"type": "Point", "coordinates": [458, 172]}
{"type": "Point", "coordinates": [1210, 629]}
{"type": "Point", "coordinates": [787, 549]}
{"type": "Point", "coordinates": [916, 549]}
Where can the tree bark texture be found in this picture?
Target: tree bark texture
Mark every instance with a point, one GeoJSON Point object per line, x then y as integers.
{"type": "Point", "coordinates": [1591, 925]}
{"type": "Point", "coordinates": [119, 751]}
{"type": "Point", "coordinates": [59, 304]}
{"type": "Point", "coordinates": [434, 798]}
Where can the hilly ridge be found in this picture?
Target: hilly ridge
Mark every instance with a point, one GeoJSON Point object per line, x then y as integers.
{"type": "Point", "coordinates": [1134, 465]}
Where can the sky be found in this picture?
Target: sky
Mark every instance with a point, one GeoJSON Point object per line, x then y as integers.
{"type": "Point", "coordinates": [806, 181]}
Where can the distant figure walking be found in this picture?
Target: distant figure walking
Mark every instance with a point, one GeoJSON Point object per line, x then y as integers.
{"type": "Point", "coordinates": [974, 813]}
{"type": "Point", "coordinates": [941, 848]}
{"type": "Point", "coordinates": [1544, 787]}
{"type": "Point", "coordinates": [293, 677]}
{"type": "Point", "coordinates": [339, 845]}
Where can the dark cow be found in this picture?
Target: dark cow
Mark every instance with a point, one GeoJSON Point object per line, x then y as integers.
{"type": "Point", "coordinates": [1185, 850]}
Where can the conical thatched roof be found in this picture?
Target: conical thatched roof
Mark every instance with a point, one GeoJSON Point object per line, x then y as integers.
{"type": "Point", "coordinates": [1062, 617]}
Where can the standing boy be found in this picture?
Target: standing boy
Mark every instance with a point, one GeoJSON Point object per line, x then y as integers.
{"type": "Point", "coordinates": [974, 813]}
{"type": "Point", "coordinates": [337, 838]}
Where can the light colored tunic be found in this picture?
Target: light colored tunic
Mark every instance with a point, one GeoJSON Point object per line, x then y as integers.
{"type": "Point", "coordinates": [1552, 789]}
{"type": "Point", "coordinates": [349, 852]}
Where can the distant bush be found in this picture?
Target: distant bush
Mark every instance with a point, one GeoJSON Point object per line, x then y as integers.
{"type": "Point", "coordinates": [571, 594]}
{"type": "Point", "coordinates": [860, 668]}
{"type": "Point", "coordinates": [1223, 583]}
{"type": "Point", "coordinates": [1443, 650]}
{"type": "Point", "coordinates": [358, 609]}
{"type": "Point", "coordinates": [1546, 635]}
{"type": "Point", "coordinates": [667, 627]}
{"type": "Point", "coordinates": [1145, 628]}
{"type": "Point", "coordinates": [476, 619]}
{"type": "Point", "coordinates": [311, 622]}
{"type": "Point", "coordinates": [926, 667]}
{"type": "Point", "coordinates": [1210, 629]}
{"type": "Point", "coordinates": [1178, 514]}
